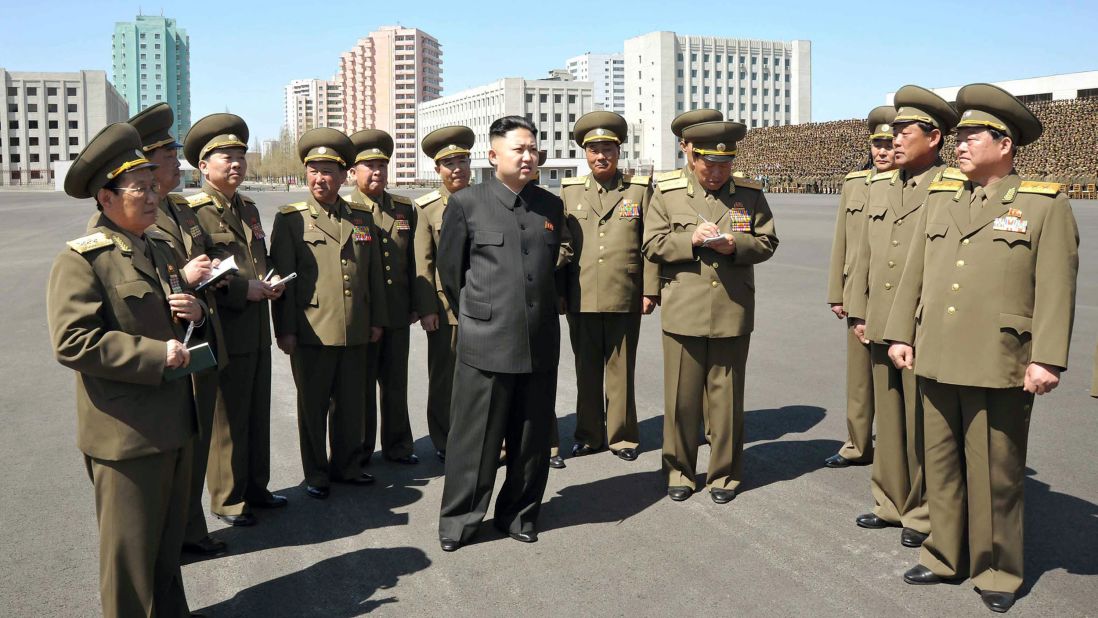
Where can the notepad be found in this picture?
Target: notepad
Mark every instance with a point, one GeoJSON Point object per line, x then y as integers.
{"type": "Point", "coordinates": [224, 269]}
{"type": "Point", "coordinates": [202, 357]}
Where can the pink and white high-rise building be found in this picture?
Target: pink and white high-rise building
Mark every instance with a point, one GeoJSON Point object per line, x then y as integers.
{"type": "Point", "coordinates": [383, 77]}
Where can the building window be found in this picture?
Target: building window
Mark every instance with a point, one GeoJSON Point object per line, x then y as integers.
{"type": "Point", "coordinates": [32, 124]}
{"type": "Point", "coordinates": [74, 124]}
{"type": "Point", "coordinates": [693, 57]}
{"type": "Point", "coordinates": [71, 107]}
{"type": "Point", "coordinates": [33, 141]}
{"type": "Point", "coordinates": [15, 158]}
{"type": "Point", "coordinates": [678, 73]}
{"type": "Point", "coordinates": [74, 141]}
{"type": "Point", "coordinates": [571, 98]}
{"type": "Point", "coordinates": [13, 107]}
{"type": "Point", "coordinates": [556, 117]}
{"type": "Point", "coordinates": [31, 91]}
{"type": "Point", "coordinates": [52, 124]}
{"type": "Point", "coordinates": [70, 92]}
{"type": "Point", "coordinates": [544, 98]}
{"type": "Point", "coordinates": [13, 141]}
{"type": "Point", "coordinates": [556, 98]}
{"type": "Point", "coordinates": [55, 141]}
{"type": "Point", "coordinates": [34, 157]}
{"type": "Point", "coordinates": [544, 117]}
{"type": "Point", "coordinates": [13, 124]}
{"type": "Point", "coordinates": [678, 89]}
{"type": "Point", "coordinates": [13, 91]}
{"type": "Point", "coordinates": [571, 117]}
{"type": "Point", "coordinates": [529, 97]}
{"type": "Point", "coordinates": [51, 91]}
{"type": "Point", "coordinates": [543, 135]}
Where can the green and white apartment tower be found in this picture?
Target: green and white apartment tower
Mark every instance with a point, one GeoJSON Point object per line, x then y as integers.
{"type": "Point", "coordinates": [152, 63]}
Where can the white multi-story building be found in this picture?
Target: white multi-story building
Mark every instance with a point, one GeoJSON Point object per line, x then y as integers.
{"type": "Point", "coordinates": [384, 76]}
{"type": "Point", "coordinates": [312, 103]}
{"type": "Point", "coordinates": [607, 73]}
{"type": "Point", "coordinates": [552, 105]}
{"type": "Point", "coordinates": [49, 119]}
{"type": "Point", "coordinates": [1060, 87]}
{"type": "Point", "coordinates": [759, 83]}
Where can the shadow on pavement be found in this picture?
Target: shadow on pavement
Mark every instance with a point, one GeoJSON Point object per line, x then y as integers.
{"type": "Point", "coordinates": [760, 425]}
{"type": "Point", "coordinates": [613, 499]}
{"type": "Point", "coordinates": [1061, 532]}
{"type": "Point", "coordinates": [341, 586]}
{"type": "Point", "coordinates": [773, 462]}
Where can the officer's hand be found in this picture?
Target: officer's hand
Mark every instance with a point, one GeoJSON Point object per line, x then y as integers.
{"type": "Point", "coordinates": [177, 355]}
{"type": "Point", "coordinates": [198, 269]}
{"type": "Point", "coordinates": [703, 231]}
{"type": "Point", "coordinates": [1041, 378]}
{"type": "Point", "coordinates": [839, 310]}
{"type": "Point", "coordinates": [413, 317]}
{"type": "Point", "coordinates": [902, 355]}
{"type": "Point", "coordinates": [429, 322]}
{"type": "Point", "coordinates": [726, 245]}
{"type": "Point", "coordinates": [648, 304]}
{"type": "Point", "coordinates": [274, 290]}
{"type": "Point", "coordinates": [375, 333]}
{"type": "Point", "coordinates": [287, 343]}
{"type": "Point", "coordinates": [859, 330]}
{"type": "Point", "coordinates": [185, 307]}
{"type": "Point", "coordinates": [257, 290]}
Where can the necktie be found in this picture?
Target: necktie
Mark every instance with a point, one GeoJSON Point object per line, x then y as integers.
{"type": "Point", "coordinates": [977, 203]}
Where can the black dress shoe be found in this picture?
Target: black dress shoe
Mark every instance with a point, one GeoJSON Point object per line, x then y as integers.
{"type": "Point", "coordinates": [836, 461]}
{"type": "Point", "coordinates": [998, 602]}
{"type": "Point", "coordinates": [314, 491]}
{"type": "Point", "coordinates": [557, 462]}
{"type": "Point", "coordinates": [871, 521]}
{"type": "Point", "coordinates": [628, 454]}
{"type": "Point", "coordinates": [920, 575]}
{"type": "Point", "coordinates": [441, 455]}
{"type": "Point", "coordinates": [362, 479]}
{"type": "Point", "coordinates": [407, 459]}
{"type": "Point", "coordinates": [579, 450]}
{"type": "Point", "coordinates": [206, 546]}
{"type": "Point", "coordinates": [243, 519]}
{"type": "Point", "coordinates": [273, 501]}
{"type": "Point", "coordinates": [524, 537]}
{"type": "Point", "coordinates": [448, 544]}
{"type": "Point", "coordinates": [679, 493]}
{"type": "Point", "coordinates": [722, 496]}
{"type": "Point", "coordinates": [912, 538]}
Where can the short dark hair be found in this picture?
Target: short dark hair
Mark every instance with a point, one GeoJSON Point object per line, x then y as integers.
{"type": "Point", "coordinates": [503, 126]}
{"type": "Point", "coordinates": [998, 136]}
{"type": "Point", "coordinates": [927, 128]}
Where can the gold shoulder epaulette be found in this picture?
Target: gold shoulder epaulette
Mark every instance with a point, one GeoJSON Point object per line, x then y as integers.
{"type": "Point", "coordinates": [400, 199]}
{"type": "Point", "coordinates": [91, 242]}
{"type": "Point", "coordinates": [292, 208]}
{"type": "Point", "coordinates": [1044, 188]}
{"type": "Point", "coordinates": [858, 174]}
{"type": "Point", "coordinates": [199, 199]}
{"type": "Point", "coordinates": [638, 179]}
{"type": "Point", "coordinates": [747, 183]}
{"type": "Point", "coordinates": [662, 176]}
{"type": "Point", "coordinates": [423, 200]}
{"type": "Point", "coordinates": [672, 184]}
{"type": "Point", "coordinates": [952, 173]}
{"type": "Point", "coordinates": [358, 206]}
{"type": "Point", "coordinates": [574, 180]}
{"type": "Point", "coordinates": [946, 185]}
{"type": "Point", "coordinates": [886, 175]}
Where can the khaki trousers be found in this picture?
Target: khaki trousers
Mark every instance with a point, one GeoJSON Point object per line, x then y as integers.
{"type": "Point", "coordinates": [240, 443]}
{"type": "Point", "coordinates": [331, 397]}
{"type": "Point", "coordinates": [859, 401]}
{"type": "Point", "coordinates": [441, 352]}
{"type": "Point", "coordinates": [387, 367]}
{"type": "Point", "coordinates": [605, 344]}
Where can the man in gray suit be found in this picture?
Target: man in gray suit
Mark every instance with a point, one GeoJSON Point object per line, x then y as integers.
{"type": "Point", "coordinates": [498, 258]}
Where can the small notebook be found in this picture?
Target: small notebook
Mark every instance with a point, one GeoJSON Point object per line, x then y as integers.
{"type": "Point", "coordinates": [224, 269]}
{"type": "Point", "coordinates": [202, 357]}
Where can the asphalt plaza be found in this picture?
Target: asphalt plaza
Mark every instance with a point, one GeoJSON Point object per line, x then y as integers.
{"type": "Point", "coordinates": [611, 543]}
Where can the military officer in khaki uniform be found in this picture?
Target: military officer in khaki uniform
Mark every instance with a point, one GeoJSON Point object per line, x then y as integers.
{"type": "Point", "coordinates": [176, 219]}
{"type": "Point", "coordinates": [922, 121]}
{"type": "Point", "coordinates": [706, 229]}
{"type": "Point", "coordinates": [985, 341]}
{"type": "Point", "coordinates": [328, 315]}
{"type": "Point", "coordinates": [679, 123]}
{"type": "Point", "coordinates": [117, 311]}
{"type": "Point", "coordinates": [610, 284]}
{"type": "Point", "coordinates": [858, 449]}
{"type": "Point", "coordinates": [449, 148]}
{"type": "Point", "coordinates": [387, 366]}
{"type": "Point", "coordinates": [240, 443]}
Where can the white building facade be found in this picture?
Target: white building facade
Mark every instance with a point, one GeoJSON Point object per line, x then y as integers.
{"type": "Point", "coordinates": [311, 103]}
{"type": "Point", "coordinates": [1060, 87]}
{"type": "Point", "coordinates": [759, 83]}
{"type": "Point", "coordinates": [552, 105]}
{"type": "Point", "coordinates": [49, 119]}
{"type": "Point", "coordinates": [606, 72]}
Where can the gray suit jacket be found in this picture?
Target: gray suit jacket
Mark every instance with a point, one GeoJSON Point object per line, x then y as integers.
{"type": "Point", "coordinates": [498, 256]}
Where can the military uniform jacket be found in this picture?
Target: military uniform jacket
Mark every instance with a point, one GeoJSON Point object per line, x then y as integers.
{"type": "Point", "coordinates": [109, 320]}
{"type": "Point", "coordinates": [498, 262]}
{"type": "Point", "coordinates": [981, 300]}
{"type": "Point", "coordinates": [886, 238]}
{"type": "Point", "coordinates": [427, 294]}
{"type": "Point", "coordinates": [395, 217]}
{"type": "Point", "coordinates": [246, 325]}
{"type": "Point", "coordinates": [706, 294]}
{"type": "Point", "coordinates": [848, 233]}
{"type": "Point", "coordinates": [339, 292]}
{"type": "Point", "coordinates": [608, 272]}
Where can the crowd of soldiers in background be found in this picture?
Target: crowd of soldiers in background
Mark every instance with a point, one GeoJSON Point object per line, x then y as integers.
{"type": "Point", "coordinates": [814, 157]}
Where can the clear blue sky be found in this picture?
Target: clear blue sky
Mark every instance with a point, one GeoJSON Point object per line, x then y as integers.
{"type": "Point", "coordinates": [243, 53]}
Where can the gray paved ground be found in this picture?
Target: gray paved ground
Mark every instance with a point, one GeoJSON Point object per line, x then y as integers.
{"type": "Point", "coordinates": [611, 544]}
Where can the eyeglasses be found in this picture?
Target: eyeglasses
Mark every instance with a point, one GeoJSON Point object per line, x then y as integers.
{"type": "Point", "coordinates": [141, 191]}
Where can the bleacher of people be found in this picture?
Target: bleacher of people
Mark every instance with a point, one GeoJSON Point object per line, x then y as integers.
{"type": "Point", "coordinates": [814, 157]}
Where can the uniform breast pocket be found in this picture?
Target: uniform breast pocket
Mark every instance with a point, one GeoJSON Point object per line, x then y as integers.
{"type": "Point", "coordinates": [1011, 239]}
{"type": "Point", "coordinates": [314, 239]}
{"type": "Point", "coordinates": [936, 230]}
{"type": "Point", "coordinates": [221, 238]}
{"type": "Point", "coordinates": [140, 305]}
{"type": "Point", "coordinates": [578, 214]}
{"type": "Point", "coordinates": [487, 238]}
{"type": "Point", "coordinates": [683, 223]}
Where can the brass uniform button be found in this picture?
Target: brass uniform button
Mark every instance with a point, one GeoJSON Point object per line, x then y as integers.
{"type": "Point", "coordinates": [951, 310]}
{"type": "Point", "coordinates": [964, 242]}
{"type": "Point", "coordinates": [891, 264]}
{"type": "Point", "coordinates": [346, 292]}
{"type": "Point", "coordinates": [714, 284]}
{"type": "Point", "coordinates": [888, 286]}
{"type": "Point", "coordinates": [960, 262]}
{"type": "Point", "coordinates": [956, 286]}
